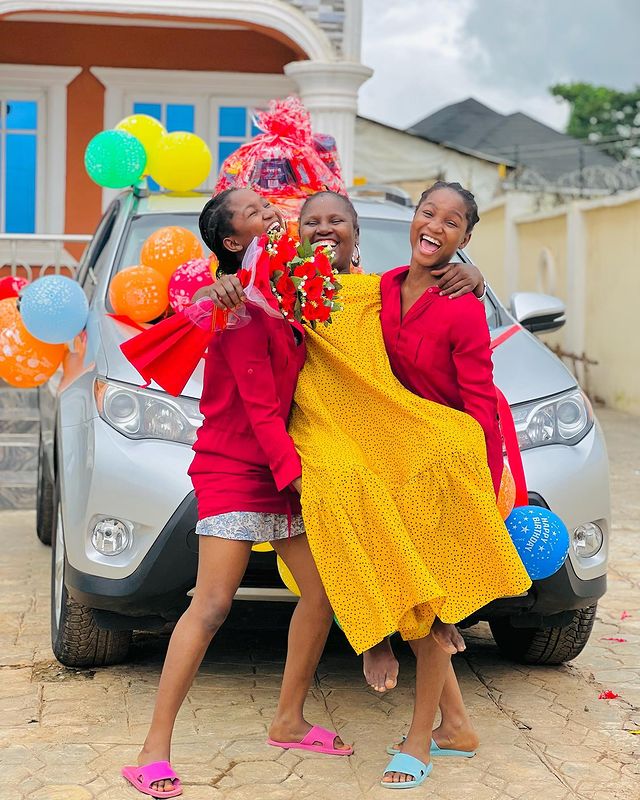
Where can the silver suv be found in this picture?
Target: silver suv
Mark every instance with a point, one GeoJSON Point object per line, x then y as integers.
{"type": "Point", "coordinates": [115, 500]}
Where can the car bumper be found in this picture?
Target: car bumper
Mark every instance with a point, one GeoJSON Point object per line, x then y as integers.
{"type": "Point", "coordinates": [158, 591]}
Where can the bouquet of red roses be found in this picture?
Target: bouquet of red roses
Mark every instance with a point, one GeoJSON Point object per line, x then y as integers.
{"type": "Point", "coordinates": [303, 280]}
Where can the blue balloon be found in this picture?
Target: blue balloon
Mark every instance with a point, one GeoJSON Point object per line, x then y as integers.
{"type": "Point", "coordinates": [54, 309]}
{"type": "Point", "coordinates": [541, 539]}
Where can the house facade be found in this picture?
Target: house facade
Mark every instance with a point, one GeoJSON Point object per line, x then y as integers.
{"type": "Point", "coordinates": [71, 68]}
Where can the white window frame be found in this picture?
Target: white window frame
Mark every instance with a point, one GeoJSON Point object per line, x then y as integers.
{"type": "Point", "coordinates": [47, 85]}
{"type": "Point", "coordinates": [205, 90]}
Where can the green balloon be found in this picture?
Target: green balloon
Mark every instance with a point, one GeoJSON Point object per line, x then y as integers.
{"type": "Point", "coordinates": [115, 159]}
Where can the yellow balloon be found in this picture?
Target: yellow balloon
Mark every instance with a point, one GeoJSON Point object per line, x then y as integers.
{"type": "Point", "coordinates": [147, 130]}
{"type": "Point", "coordinates": [262, 547]}
{"type": "Point", "coordinates": [287, 577]}
{"type": "Point", "coordinates": [180, 161]}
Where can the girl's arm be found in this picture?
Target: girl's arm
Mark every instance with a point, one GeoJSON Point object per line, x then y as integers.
{"type": "Point", "coordinates": [246, 351]}
{"type": "Point", "coordinates": [227, 293]}
{"type": "Point", "coordinates": [474, 368]}
{"type": "Point", "coordinates": [458, 279]}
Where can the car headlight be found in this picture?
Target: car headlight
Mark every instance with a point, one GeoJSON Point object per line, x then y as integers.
{"type": "Point", "coordinates": [145, 414]}
{"type": "Point", "coordinates": [563, 419]}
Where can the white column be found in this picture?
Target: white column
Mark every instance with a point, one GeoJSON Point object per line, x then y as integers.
{"type": "Point", "coordinates": [329, 90]}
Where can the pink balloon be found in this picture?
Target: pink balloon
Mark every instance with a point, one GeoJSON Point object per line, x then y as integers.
{"type": "Point", "coordinates": [186, 280]}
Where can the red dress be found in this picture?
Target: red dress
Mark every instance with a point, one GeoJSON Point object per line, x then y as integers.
{"type": "Point", "coordinates": [244, 458]}
{"type": "Point", "coordinates": [440, 351]}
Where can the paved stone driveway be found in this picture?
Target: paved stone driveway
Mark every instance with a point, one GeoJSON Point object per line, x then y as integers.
{"type": "Point", "coordinates": [545, 734]}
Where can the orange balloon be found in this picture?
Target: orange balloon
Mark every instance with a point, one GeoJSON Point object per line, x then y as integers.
{"type": "Point", "coordinates": [507, 493]}
{"type": "Point", "coordinates": [140, 292]}
{"type": "Point", "coordinates": [168, 248]}
{"type": "Point", "coordinates": [25, 362]}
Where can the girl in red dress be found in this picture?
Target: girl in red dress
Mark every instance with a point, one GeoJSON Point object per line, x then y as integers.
{"type": "Point", "coordinates": [247, 476]}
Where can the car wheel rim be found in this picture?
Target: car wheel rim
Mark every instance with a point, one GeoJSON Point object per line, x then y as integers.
{"type": "Point", "coordinates": [58, 569]}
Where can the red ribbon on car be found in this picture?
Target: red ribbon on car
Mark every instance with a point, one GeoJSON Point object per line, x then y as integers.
{"type": "Point", "coordinates": [509, 434]}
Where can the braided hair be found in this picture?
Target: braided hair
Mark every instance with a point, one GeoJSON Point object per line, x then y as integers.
{"type": "Point", "coordinates": [215, 225]}
{"type": "Point", "coordinates": [469, 200]}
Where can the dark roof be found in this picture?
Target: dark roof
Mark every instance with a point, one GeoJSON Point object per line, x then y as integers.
{"type": "Point", "coordinates": [516, 137]}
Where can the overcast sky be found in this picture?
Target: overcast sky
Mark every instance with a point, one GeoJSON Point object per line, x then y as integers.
{"type": "Point", "coordinates": [505, 53]}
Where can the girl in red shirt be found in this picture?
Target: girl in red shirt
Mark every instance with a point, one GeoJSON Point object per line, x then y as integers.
{"type": "Point", "coordinates": [247, 476]}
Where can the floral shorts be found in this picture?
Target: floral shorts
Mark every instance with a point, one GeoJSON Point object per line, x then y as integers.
{"type": "Point", "coordinates": [250, 526]}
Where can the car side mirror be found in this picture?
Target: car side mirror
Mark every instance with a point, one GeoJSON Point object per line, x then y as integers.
{"type": "Point", "coordinates": [538, 313]}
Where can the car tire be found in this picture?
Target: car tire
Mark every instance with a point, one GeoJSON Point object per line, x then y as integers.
{"type": "Point", "coordinates": [544, 645]}
{"type": "Point", "coordinates": [45, 491]}
{"type": "Point", "coordinates": [76, 640]}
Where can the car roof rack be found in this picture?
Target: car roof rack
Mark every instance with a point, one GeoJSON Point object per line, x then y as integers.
{"type": "Point", "coordinates": [382, 193]}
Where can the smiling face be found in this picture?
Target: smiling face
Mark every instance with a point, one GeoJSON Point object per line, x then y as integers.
{"type": "Point", "coordinates": [251, 216]}
{"type": "Point", "coordinates": [328, 219]}
{"type": "Point", "coordinates": [438, 229]}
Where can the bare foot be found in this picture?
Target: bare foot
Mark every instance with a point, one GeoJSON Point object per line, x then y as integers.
{"type": "Point", "coordinates": [282, 731]}
{"type": "Point", "coordinates": [448, 737]}
{"type": "Point", "coordinates": [381, 667]}
{"type": "Point", "coordinates": [149, 756]}
{"type": "Point", "coordinates": [411, 749]}
{"type": "Point", "coordinates": [448, 637]}
{"type": "Point", "coordinates": [462, 738]}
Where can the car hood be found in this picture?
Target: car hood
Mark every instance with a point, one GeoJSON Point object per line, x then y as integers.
{"type": "Point", "coordinates": [524, 368]}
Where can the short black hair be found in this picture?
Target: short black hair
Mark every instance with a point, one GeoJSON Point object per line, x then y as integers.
{"type": "Point", "coordinates": [215, 225]}
{"type": "Point", "coordinates": [327, 192]}
{"type": "Point", "coordinates": [469, 200]}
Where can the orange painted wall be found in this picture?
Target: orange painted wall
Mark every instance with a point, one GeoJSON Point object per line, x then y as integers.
{"type": "Point", "coordinates": [86, 46]}
{"type": "Point", "coordinates": [142, 48]}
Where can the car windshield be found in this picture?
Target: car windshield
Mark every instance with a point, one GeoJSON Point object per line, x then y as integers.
{"type": "Point", "coordinates": [384, 244]}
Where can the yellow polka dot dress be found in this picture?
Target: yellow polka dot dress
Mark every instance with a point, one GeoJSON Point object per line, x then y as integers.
{"type": "Point", "coordinates": [397, 497]}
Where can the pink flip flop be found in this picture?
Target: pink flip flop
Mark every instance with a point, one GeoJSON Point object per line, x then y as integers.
{"type": "Point", "coordinates": [318, 740]}
{"type": "Point", "coordinates": [142, 778]}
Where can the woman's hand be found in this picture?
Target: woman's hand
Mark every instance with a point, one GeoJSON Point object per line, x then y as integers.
{"type": "Point", "coordinates": [456, 280]}
{"type": "Point", "coordinates": [297, 484]}
{"type": "Point", "coordinates": [227, 293]}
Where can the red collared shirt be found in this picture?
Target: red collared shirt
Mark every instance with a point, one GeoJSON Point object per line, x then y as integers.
{"type": "Point", "coordinates": [244, 458]}
{"type": "Point", "coordinates": [440, 351]}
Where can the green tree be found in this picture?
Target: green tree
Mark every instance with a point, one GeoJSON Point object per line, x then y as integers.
{"type": "Point", "coordinates": [602, 114]}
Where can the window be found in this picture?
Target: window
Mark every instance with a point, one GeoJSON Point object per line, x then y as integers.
{"type": "Point", "coordinates": [235, 127]}
{"type": "Point", "coordinates": [217, 106]}
{"type": "Point", "coordinates": [18, 164]}
{"type": "Point", "coordinates": [174, 117]}
{"type": "Point", "coordinates": [33, 149]}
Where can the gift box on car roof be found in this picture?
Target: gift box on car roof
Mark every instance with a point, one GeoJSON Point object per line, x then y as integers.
{"type": "Point", "coordinates": [285, 163]}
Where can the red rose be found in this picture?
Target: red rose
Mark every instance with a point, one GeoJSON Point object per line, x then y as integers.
{"type": "Point", "coordinates": [315, 311]}
{"type": "Point", "coordinates": [287, 292]}
{"type": "Point", "coordinates": [305, 270]}
{"type": "Point", "coordinates": [323, 265]}
{"type": "Point", "coordinates": [287, 249]}
{"type": "Point", "coordinates": [314, 287]}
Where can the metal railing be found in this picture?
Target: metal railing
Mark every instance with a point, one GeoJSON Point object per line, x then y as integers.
{"type": "Point", "coordinates": [24, 252]}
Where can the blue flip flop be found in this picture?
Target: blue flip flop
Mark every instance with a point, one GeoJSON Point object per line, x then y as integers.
{"type": "Point", "coordinates": [437, 751]}
{"type": "Point", "coordinates": [408, 765]}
